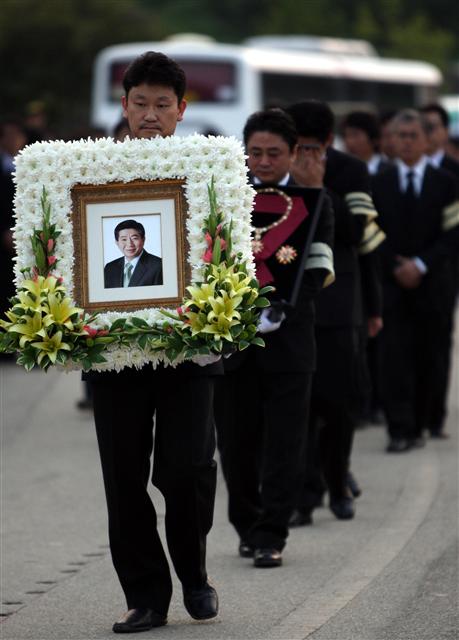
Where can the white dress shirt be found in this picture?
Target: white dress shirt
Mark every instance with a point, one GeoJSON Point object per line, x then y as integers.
{"type": "Point", "coordinates": [281, 183]}
{"type": "Point", "coordinates": [436, 158]}
{"type": "Point", "coordinates": [373, 164]}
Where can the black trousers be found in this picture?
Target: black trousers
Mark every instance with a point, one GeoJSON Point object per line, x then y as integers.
{"type": "Point", "coordinates": [261, 421]}
{"type": "Point", "coordinates": [413, 356]}
{"type": "Point", "coordinates": [436, 419]}
{"type": "Point", "coordinates": [336, 394]}
{"type": "Point", "coordinates": [183, 470]}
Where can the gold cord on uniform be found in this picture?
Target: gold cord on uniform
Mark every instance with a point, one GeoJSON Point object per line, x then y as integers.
{"type": "Point", "coordinates": [257, 243]}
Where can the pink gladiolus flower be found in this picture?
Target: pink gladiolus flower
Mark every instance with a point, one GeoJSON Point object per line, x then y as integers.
{"type": "Point", "coordinates": [90, 331]}
{"type": "Point", "coordinates": [51, 260]}
{"type": "Point", "coordinates": [50, 245]}
{"type": "Point", "coordinates": [60, 280]}
{"type": "Point", "coordinates": [219, 228]}
{"type": "Point", "coordinates": [209, 240]}
{"type": "Point", "coordinates": [207, 256]}
{"type": "Point", "coordinates": [222, 244]}
{"type": "Point", "coordinates": [102, 332]}
{"type": "Point", "coordinates": [180, 311]}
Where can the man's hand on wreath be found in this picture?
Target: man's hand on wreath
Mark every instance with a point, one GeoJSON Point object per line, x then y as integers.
{"type": "Point", "coordinates": [267, 324]}
{"type": "Point", "coordinates": [204, 360]}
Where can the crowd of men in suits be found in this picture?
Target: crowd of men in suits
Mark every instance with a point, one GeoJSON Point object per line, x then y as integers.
{"type": "Point", "coordinates": [379, 287]}
{"type": "Point", "coordinates": [382, 331]}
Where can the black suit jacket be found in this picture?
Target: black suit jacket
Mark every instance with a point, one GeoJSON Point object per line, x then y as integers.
{"type": "Point", "coordinates": [342, 303]}
{"type": "Point", "coordinates": [416, 233]}
{"type": "Point", "coordinates": [148, 271]}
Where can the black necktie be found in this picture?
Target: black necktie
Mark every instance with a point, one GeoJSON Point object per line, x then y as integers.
{"type": "Point", "coordinates": [408, 220]}
{"type": "Point", "coordinates": [410, 194]}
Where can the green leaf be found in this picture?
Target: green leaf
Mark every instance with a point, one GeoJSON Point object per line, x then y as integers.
{"type": "Point", "coordinates": [139, 323]}
{"type": "Point", "coordinates": [261, 302]}
{"type": "Point", "coordinates": [259, 342]}
{"type": "Point", "coordinates": [142, 341]}
{"type": "Point", "coordinates": [243, 344]}
{"type": "Point", "coordinates": [236, 330]}
{"type": "Point", "coordinates": [265, 290]}
{"type": "Point", "coordinates": [216, 252]}
{"type": "Point", "coordinates": [120, 323]}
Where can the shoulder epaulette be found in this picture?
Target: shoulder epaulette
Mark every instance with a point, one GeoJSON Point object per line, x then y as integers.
{"type": "Point", "coordinates": [372, 238]}
{"type": "Point", "coordinates": [321, 257]}
{"type": "Point", "coordinates": [450, 216]}
{"type": "Point", "coordinates": [361, 204]}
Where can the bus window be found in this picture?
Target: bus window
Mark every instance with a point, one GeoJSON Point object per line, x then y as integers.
{"type": "Point", "coordinates": [207, 80]}
{"type": "Point", "coordinates": [282, 89]}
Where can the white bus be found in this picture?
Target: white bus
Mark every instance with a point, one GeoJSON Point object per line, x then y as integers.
{"type": "Point", "coordinates": [226, 83]}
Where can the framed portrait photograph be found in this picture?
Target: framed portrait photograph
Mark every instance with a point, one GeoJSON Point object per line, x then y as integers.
{"type": "Point", "coordinates": [125, 247]}
{"type": "Point", "coordinates": [130, 244]}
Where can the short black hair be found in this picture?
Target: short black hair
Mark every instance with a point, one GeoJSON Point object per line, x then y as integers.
{"type": "Point", "coordinates": [434, 107]}
{"type": "Point", "coordinates": [386, 116]}
{"type": "Point", "coordinates": [129, 224]}
{"type": "Point", "coordinates": [365, 121]}
{"type": "Point", "coordinates": [274, 121]}
{"type": "Point", "coordinates": [313, 119]}
{"type": "Point", "coordinates": [155, 68]}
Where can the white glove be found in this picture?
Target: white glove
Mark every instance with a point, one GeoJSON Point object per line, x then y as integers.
{"type": "Point", "coordinates": [265, 325]}
{"type": "Point", "coordinates": [204, 360]}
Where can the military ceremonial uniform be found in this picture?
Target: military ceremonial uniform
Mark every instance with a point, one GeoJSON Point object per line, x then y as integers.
{"type": "Point", "coordinates": [337, 384]}
{"type": "Point", "coordinates": [415, 320]}
{"type": "Point", "coordinates": [261, 409]}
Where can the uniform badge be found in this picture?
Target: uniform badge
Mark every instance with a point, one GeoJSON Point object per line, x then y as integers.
{"type": "Point", "coordinates": [286, 254]}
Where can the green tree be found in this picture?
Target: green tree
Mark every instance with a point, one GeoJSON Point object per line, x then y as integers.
{"type": "Point", "coordinates": [50, 46]}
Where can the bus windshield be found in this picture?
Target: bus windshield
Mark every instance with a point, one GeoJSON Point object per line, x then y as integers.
{"type": "Point", "coordinates": [208, 81]}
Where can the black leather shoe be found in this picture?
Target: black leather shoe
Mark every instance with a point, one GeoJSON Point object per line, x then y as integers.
{"type": "Point", "coordinates": [267, 558]}
{"type": "Point", "coordinates": [201, 604]}
{"type": "Point", "coordinates": [342, 508]}
{"type": "Point", "coordinates": [139, 620]}
{"type": "Point", "coordinates": [439, 435]}
{"type": "Point", "coordinates": [353, 485]}
{"type": "Point", "coordinates": [417, 443]}
{"type": "Point", "coordinates": [245, 550]}
{"type": "Point", "coordinates": [300, 517]}
{"type": "Point", "coordinates": [398, 445]}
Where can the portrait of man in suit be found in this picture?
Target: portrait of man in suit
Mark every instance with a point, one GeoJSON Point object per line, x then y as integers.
{"type": "Point", "coordinates": [136, 267]}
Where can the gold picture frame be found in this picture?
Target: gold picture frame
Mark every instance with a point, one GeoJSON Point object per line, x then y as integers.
{"type": "Point", "coordinates": [161, 208]}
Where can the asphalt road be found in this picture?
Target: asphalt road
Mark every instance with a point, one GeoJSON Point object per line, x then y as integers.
{"type": "Point", "coordinates": [389, 574]}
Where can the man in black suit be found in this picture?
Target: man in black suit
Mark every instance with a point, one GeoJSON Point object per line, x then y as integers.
{"type": "Point", "coordinates": [180, 400]}
{"type": "Point", "coordinates": [336, 389]}
{"type": "Point", "coordinates": [261, 404]}
{"type": "Point", "coordinates": [362, 134]}
{"type": "Point", "coordinates": [137, 267]}
{"type": "Point", "coordinates": [437, 120]}
{"type": "Point", "coordinates": [420, 215]}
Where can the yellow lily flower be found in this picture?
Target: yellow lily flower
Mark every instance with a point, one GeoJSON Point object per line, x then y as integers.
{"type": "Point", "coordinates": [201, 294]}
{"type": "Point", "coordinates": [50, 347]}
{"type": "Point", "coordinates": [26, 301]}
{"type": "Point", "coordinates": [30, 327]}
{"type": "Point", "coordinates": [61, 310]}
{"type": "Point", "coordinates": [197, 321]}
{"type": "Point", "coordinates": [40, 285]}
{"type": "Point", "coordinates": [220, 327]}
{"type": "Point", "coordinates": [224, 305]}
